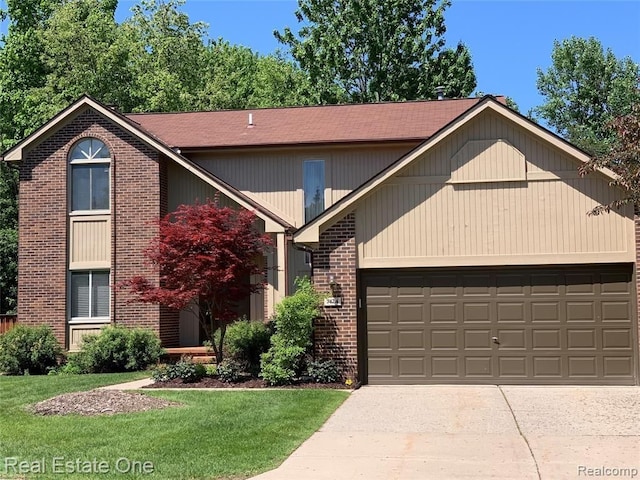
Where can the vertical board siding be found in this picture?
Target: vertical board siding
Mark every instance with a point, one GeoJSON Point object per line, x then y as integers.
{"type": "Point", "coordinates": [487, 160]}
{"type": "Point", "coordinates": [184, 188]}
{"type": "Point", "coordinates": [428, 222]}
{"type": "Point", "coordinates": [90, 242]}
{"type": "Point", "coordinates": [76, 332]}
{"type": "Point", "coordinates": [275, 177]}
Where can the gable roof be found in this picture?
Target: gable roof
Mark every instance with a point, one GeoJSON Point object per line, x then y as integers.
{"type": "Point", "coordinates": [310, 233]}
{"type": "Point", "coordinates": [373, 122]}
{"type": "Point", "coordinates": [272, 221]}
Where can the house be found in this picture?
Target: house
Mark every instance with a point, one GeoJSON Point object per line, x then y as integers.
{"type": "Point", "coordinates": [452, 236]}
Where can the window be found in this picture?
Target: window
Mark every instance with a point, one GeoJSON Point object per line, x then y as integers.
{"type": "Point", "coordinates": [90, 162]}
{"type": "Point", "coordinates": [90, 295]}
{"type": "Point", "coordinates": [313, 185]}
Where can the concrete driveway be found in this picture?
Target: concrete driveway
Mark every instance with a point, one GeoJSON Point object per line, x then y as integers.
{"type": "Point", "coordinates": [474, 432]}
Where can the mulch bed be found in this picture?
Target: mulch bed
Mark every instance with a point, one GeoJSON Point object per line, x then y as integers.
{"type": "Point", "coordinates": [208, 382]}
{"type": "Point", "coordinates": [99, 402]}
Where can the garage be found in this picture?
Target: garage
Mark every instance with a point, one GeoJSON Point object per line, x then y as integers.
{"type": "Point", "coordinates": [499, 325]}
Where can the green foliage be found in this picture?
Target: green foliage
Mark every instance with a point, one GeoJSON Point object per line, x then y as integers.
{"type": "Point", "coordinates": [585, 88]}
{"type": "Point", "coordinates": [294, 325]}
{"type": "Point", "coordinates": [229, 371]}
{"type": "Point", "coordinates": [28, 350]}
{"type": "Point", "coordinates": [245, 342]}
{"type": "Point", "coordinates": [185, 369]}
{"type": "Point", "coordinates": [378, 50]}
{"type": "Point", "coordinates": [117, 349]}
{"type": "Point", "coordinates": [323, 371]}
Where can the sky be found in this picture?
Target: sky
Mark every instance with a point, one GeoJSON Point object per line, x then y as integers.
{"type": "Point", "coordinates": [508, 40]}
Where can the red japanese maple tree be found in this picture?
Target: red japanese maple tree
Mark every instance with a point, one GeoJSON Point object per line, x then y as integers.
{"type": "Point", "coordinates": [207, 256]}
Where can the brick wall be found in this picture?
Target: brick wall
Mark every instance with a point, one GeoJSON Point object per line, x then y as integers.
{"type": "Point", "coordinates": [637, 272]}
{"type": "Point", "coordinates": [335, 333]}
{"type": "Point", "coordinates": [138, 198]}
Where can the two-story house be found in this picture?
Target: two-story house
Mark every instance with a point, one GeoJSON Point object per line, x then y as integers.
{"type": "Point", "coordinates": [452, 236]}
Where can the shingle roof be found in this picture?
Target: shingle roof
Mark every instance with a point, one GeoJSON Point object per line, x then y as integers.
{"type": "Point", "coordinates": [372, 122]}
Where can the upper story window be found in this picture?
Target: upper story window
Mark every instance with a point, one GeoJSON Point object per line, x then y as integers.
{"type": "Point", "coordinates": [313, 185]}
{"type": "Point", "coordinates": [90, 164]}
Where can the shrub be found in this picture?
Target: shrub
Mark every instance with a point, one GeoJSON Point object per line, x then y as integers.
{"type": "Point", "coordinates": [245, 341]}
{"type": "Point", "coordinates": [323, 371]}
{"type": "Point", "coordinates": [29, 350]}
{"type": "Point", "coordinates": [118, 349]}
{"type": "Point", "coordinates": [185, 369]}
{"type": "Point", "coordinates": [284, 361]}
{"type": "Point", "coordinates": [229, 371]}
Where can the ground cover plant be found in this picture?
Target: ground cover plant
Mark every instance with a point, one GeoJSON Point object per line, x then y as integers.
{"type": "Point", "coordinates": [230, 434]}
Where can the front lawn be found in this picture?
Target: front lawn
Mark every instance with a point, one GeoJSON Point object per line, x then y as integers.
{"type": "Point", "coordinates": [232, 434]}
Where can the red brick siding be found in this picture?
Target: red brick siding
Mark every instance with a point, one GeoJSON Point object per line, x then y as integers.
{"type": "Point", "coordinates": [335, 333]}
{"type": "Point", "coordinates": [138, 198]}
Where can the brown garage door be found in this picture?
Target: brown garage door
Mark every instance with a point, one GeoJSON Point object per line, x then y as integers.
{"type": "Point", "coordinates": [563, 325]}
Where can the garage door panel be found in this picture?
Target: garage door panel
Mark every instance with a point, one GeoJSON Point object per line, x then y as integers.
{"type": "Point", "coordinates": [553, 325]}
{"type": "Point", "coordinates": [411, 340]}
{"type": "Point", "coordinates": [545, 312]}
{"type": "Point", "coordinates": [581, 312]}
{"type": "Point", "coordinates": [444, 339]}
{"type": "Point", "coordinates": [616, 339]}
{"type": "Point", "coordinates": [477, 340]}
{"type": "Point", "coordinates": [621, 367]}
{"type": "Point", "coordinates": [512, 367]}
{"type": "Point", "coordinates": [613, 311]}
{"type": "Point", "coordinates": [510, 312]}
{"type": "Point", "coordinates": [583, 366]}
{"type": "Point", "coordinates": [476, 312]}
{"type": "Point", "coordinates": [411, 367]}
{"type": "Point", "coordinates": [478, 366]}
{"type": "Point", "coordinates": [581, 339]}
{"type": "Point", "coordinates": [443, 313]}
{"type": "Point", "coordinates": [410, 313]}
{"type": "Point", "coordinates": [546, 339]}
{"type": "Point", "coordinates": [512, 339]}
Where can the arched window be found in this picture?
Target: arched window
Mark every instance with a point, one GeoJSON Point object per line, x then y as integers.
{"type": "Point", "coordinates": [90, 164]}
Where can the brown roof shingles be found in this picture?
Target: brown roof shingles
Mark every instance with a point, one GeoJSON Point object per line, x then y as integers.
{"type": "Point", "coordinates": [373, 122]}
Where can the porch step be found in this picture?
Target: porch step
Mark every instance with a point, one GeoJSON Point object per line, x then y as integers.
{"type": "Point", "coordinates": [199, 354]}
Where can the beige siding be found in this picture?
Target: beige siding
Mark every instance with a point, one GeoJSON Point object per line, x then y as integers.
{"type": "Point", "coordinates": [185, 189]}
{"type": "Point", "coordinates": [77, 331]}
{"type": "Point", "coordinates": [422, 218]}
{"type": "Point", "coordinates": [90, 242]}
{"type": "Point", "coordinates": [297, 266]}
{"type": "Point", "coordinates": [488, 161]}
{"type": "Point", "coordinates": [274, 177]}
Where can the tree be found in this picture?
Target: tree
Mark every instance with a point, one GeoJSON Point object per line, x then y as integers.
{"type": "Point", "coordinates": [585, 88]}
{"type": "Point", "coordinates": [623, 159]}
{"type": "Point", "coordinates": [376, 50]}
{"type": "Point", "coordinates": [8, 238]}
{"type": "Point", "coordinates": [205, 254]}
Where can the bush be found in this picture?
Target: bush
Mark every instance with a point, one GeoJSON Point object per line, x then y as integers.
{"type": "Point", "coordinates": [284, 361]}
{"type": "Point", "coordinates": [117, 349]}
{"type": "Point", "coordinates": [29, 350]}
{"type": "Point", "coordinates": [245, 341]}
{"type": "Point", "coordinates": [185, 369]}
{"type": "Point", "coordinates": [323, 371]}
{"type": "Point", "coordinates": [229, 371]}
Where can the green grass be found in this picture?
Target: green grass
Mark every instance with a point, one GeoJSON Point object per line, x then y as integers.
{"type": "Point", "coordinates": [228, 434]}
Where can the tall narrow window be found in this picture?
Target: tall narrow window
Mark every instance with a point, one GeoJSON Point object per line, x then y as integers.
{"type": "Point", "coordinates": [313, 185]}
{"type": "Point", "coordinates": [90, 165]}
{"type": "Point", "coordinates": [90, 295]}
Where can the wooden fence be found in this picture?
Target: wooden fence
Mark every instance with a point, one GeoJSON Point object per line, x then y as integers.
{"type": "Point", "coordinates": [7, 322]}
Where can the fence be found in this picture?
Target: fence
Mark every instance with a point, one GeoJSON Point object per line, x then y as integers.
{"type": "Point", "coordinates": [7, 322]}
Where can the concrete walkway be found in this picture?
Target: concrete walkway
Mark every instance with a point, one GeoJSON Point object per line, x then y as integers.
{"type": "Point", "coordinates": [474, 432]}
{"type": "Point", "coordinates": [129, 385]}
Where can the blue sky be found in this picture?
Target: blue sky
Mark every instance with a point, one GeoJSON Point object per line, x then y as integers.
{"type": "Point", "coordinates": [508, 40]}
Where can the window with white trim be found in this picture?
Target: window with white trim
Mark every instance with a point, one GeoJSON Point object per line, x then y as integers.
{"type": "Point", "coordinates": [90, 295]}
{"type": "Point", "coordinates": [313, 187]}
{"type": "Point", "coordinates": [90, 162]}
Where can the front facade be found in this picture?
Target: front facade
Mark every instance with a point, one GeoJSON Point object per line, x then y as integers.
{"type": "Point", "coordinates": [452, 237]}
